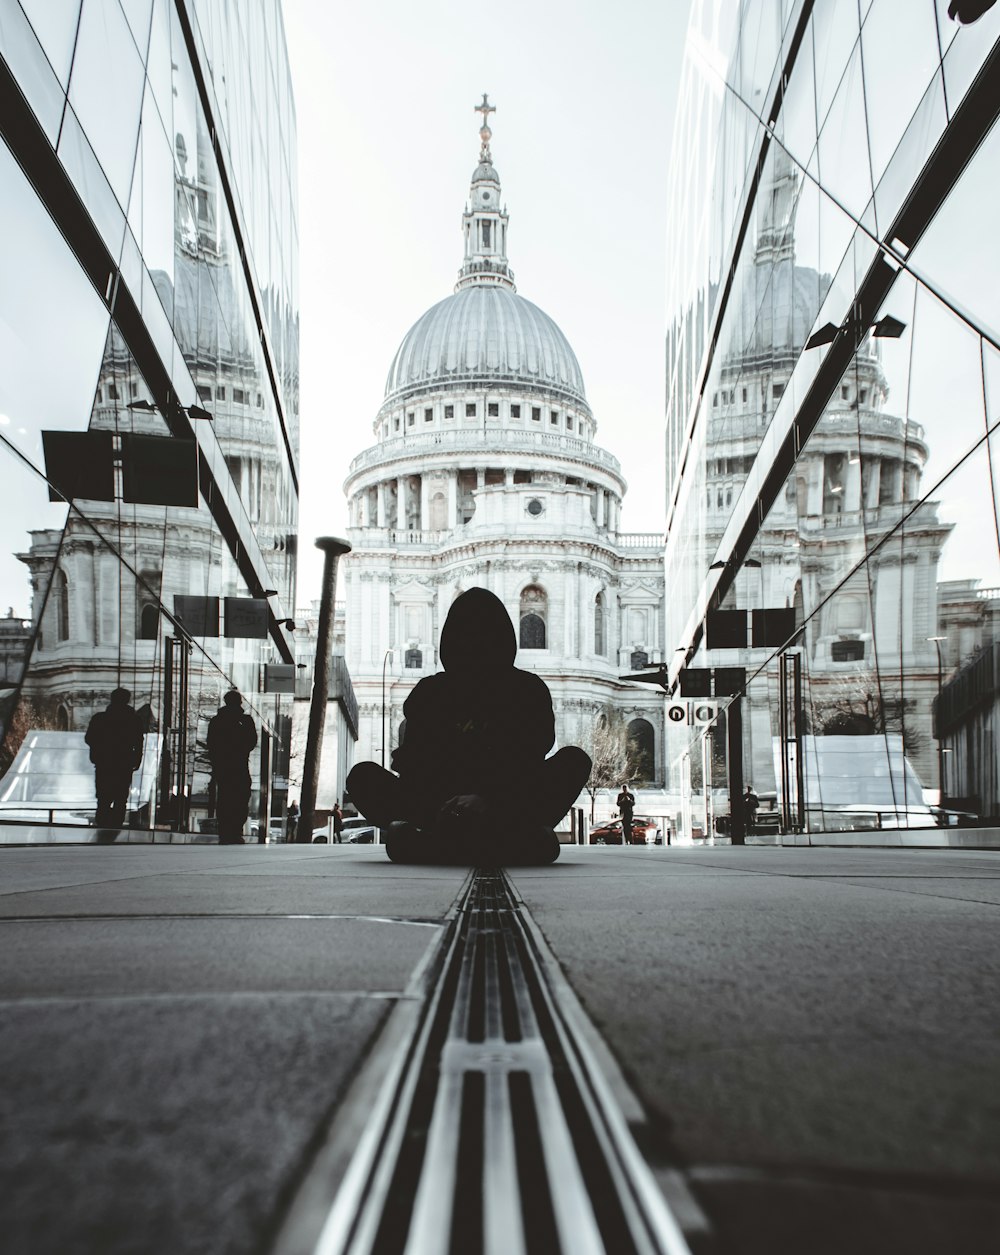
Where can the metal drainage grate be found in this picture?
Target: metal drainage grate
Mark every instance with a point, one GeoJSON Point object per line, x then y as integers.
{"type": "Point", "coordinates": [499, 1140]}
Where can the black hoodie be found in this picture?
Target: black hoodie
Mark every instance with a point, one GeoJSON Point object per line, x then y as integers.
{"type": "Point", "coordinates": [481, 723]}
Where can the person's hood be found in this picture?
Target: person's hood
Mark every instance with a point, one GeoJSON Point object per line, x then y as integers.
{"type": "Point", "coordinates": [477, 633]}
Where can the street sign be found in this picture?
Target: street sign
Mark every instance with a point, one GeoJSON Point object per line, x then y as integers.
{"type": "Point", "coordinates": [695, 712]}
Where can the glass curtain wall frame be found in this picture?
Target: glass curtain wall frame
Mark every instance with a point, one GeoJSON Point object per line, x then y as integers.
{"type": "Point", "coordinates": [897, 465]}
{"type": "Point", "coordinates": [130, 589]}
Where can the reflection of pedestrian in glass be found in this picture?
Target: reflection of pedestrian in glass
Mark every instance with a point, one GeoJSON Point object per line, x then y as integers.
{"type": "Point", "coordinates": [291, 822]}
{"type": "Point", "coordinates": [115, 739]}
{"type": "Point", "coordinates": [475, 784]}
{"type": "Point", "coordinates": [750, 803]}
{"type": "Point", "coordinates": [626, 806]}
{"type": "Point", "coordinates": [232, 736]}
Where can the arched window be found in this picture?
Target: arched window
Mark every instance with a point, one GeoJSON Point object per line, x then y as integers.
{"type": "Point", "coordinates": [62, 718]}
{"type": "Point", "coordinates": [641, 748]}
{"type": "Point", "coordinates": [149, 622]}
{"type": "Point", "coordinates": [533, 617]}
{"type": "Point", "coordinates": [599, 644]}
{"type": "Point", "coordinates": [60, 593]}
{"type": "Point", "coordinates": [439, 512]}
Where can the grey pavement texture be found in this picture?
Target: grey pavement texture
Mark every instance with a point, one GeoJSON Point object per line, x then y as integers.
{"type": "Point", "coordinates": [173, 1040]}
{"type": "Point", "coordinates": [814, 1034]}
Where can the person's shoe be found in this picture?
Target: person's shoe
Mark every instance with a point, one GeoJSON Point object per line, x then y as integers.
{"type": "Point", "coordinates": [531, 846]}
{"type": "Point", "coordinates": [406, 843]}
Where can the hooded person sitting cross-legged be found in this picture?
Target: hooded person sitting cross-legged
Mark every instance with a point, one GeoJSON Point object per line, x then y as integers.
{"type": "Point", "coordinates": [473, 782]}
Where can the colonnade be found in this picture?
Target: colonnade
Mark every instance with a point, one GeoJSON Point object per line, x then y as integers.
{"type": "Point", "coordinates": [436, 501]}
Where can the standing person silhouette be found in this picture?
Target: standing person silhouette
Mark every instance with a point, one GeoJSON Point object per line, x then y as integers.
{"type": "Point", "coordinates": [474, 782]}
{"type": "Point", "coordinates": [626, 806]}
{"type": "Point", "coordinates": [232, 736]}
{"type": "Point", "coordinates": [115, 739]}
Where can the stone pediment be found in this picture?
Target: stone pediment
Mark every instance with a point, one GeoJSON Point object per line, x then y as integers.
{"type": "Point", "coordinates": [413, 591]}
{"type": "Point", "coordinates": [641, 593]}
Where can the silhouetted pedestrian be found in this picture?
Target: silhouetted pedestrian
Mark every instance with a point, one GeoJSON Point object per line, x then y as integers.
{"type": "Point", "coordinates": [115, 739]}
{"type": "Point", "coordinates": [291, 822]}
{"type": "Point", "coordinates": [626, 807]}
{"type": "Point", "coordinates": [474, 782]}
{"type": "Point", "coordinates": [232, 736]}
{"type": "Point", "coordinates": [750, 803]}
{"type": "Point", "coordinates": [338, 821]}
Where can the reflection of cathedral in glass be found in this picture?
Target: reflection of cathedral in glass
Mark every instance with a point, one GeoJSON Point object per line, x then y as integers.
{"type": "Point", "coordinates": [485, 471]}
{"type": "Point", "coordinates": [832, 379]}
{"type": "Point", "coordinates": [197, 314]}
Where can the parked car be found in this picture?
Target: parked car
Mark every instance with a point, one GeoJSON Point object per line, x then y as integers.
{"type": "Point", "coordinates": [644, 832]}
{"type": "Point", "coordinates": [358, 831]}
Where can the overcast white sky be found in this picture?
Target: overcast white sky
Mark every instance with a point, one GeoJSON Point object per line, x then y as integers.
{"type": "Point", "coordinates": [585, 95]}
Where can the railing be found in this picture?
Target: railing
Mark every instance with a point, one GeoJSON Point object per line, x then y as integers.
{"type": "Point", "coordinates": [498, 439]}
{"type": "Point", "coordinates": [639, 540]}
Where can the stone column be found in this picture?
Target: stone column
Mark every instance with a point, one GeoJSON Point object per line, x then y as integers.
{"type": "Point", "coordinates": [381, 503]}
{"type": "Point", "coordinates": [852, 487]}
{"type": "Point", "coordinates": [602, 508]}
{"type": "Point", "coordinates": [401, 504]}
{"type": "Point", "coordinates": [452, 499]}
{"type": "Point", "coordinates": [874, 466]}
{"type": "Point", "coordinates": [363, 508]}
{"type": "Point", "coordinates": [425, 505]}
{"type": "Point", "coordinates": [480, 478]}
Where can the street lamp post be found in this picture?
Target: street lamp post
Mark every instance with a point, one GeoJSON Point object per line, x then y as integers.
{"type": "Point", "coordinates": [937, 717]}
{"type": "Point", "coordinates": [388, 652]}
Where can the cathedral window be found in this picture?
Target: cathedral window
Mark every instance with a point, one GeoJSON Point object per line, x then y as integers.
{"type": "Point", "coordinates": [641, 742]}
{"type": "Point", "coordinates": [149, 622]}
{"type": "Point", "coordinates": [428, 415]}
{"type": "Point", "coordinates": [486, 235]}
{"type": "Point", "coordinates": [449, 411]}
{"type": "Point", "coordinates": [395, 424]}
{"type": "Point", "coordinates": [470, 409]}
{"type": "Point", "coordinates": [409, 418]}
{"type": "Point", "coordinates": [847, 651]}
{"type": "Point", "coordinates": [569, 422]}
{"type": "Point", "coordinates": [60, 592]}
{"type": "Point", "coordinates": [599, 645]}
{"type": "Point", "coordinates": [533, 615]}
{"type": "Point", "coordinates": [414, 658]}
{"type": "Point", "coordinates": [240, 396]}
{"type": "Point", "coordinates": [204, 392]}
{"type": "Point", "coordinates": [744, 396]}
{"type": "Point", "coordinates": [220, 392]}
{"type": "Point", "coordinates": [493, 409]}
{"type": "Point", "coordinates": [112, 392]}
{"type": "Point", "coordinates": [515, 411]}
{"type": "Point", "coordinates": [778, 389]}
{"type": "Point", "coordinates": [863, 395]}
{"type": "Point", "coordinates": [553, 417]}
{"type": "Point", "coordinates": [844, 392]}
{"type": "Point", "coordinates": [536, 413]}
{"type": "Point", "coordinates": [638, 659]}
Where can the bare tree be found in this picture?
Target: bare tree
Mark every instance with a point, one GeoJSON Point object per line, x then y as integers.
{"type": "Point", "coordinates": [615, 756]}
{"type": "Point", "coordinates": [860, 706]}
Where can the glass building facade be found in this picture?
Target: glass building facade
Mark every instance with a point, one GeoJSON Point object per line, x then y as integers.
{"type": "Point", "coordinates": [148, 306]}
{"type": "Point", "coordinates": [833, 384]}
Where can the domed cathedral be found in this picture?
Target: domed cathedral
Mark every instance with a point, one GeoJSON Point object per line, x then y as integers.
{"type": "Point", "coordinates": [858, 475]}
{"type": "Point", "coordinates": [485, 472]}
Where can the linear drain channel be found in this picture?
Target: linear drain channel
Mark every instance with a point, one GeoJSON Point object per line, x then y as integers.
{"type": "Point", "coordinates": [498, 1137]}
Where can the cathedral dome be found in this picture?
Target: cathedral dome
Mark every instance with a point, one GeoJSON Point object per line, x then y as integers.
{"type": "Point", "coordinates": [485, 333]}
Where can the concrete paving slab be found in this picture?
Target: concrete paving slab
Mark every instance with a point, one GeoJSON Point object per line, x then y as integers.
{"type": "Point", "coordinates": [165, 1125]}
{"type": "Point", "coordinates": [831, 1015]}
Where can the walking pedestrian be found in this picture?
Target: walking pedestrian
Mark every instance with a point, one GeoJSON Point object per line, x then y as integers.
{"type": "Point", "coordinates": [291, 822]}
{"type": "Point", "coordinates": [115, 739]}
{"type": "Point", "coordinates": [750, 803]}
{"type": "Point", "coordinates": [626, 806]}
{"type": "Point", "coordinates": [232, 736]}
{"type": "Point", "coordinates": [338, 821]}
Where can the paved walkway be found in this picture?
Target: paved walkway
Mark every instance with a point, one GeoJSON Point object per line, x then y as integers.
{"type": "Point", "coordinates": [813, 1035]}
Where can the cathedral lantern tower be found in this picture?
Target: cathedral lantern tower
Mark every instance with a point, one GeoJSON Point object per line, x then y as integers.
{"type": "Point", "coordinates": [485, 471]}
